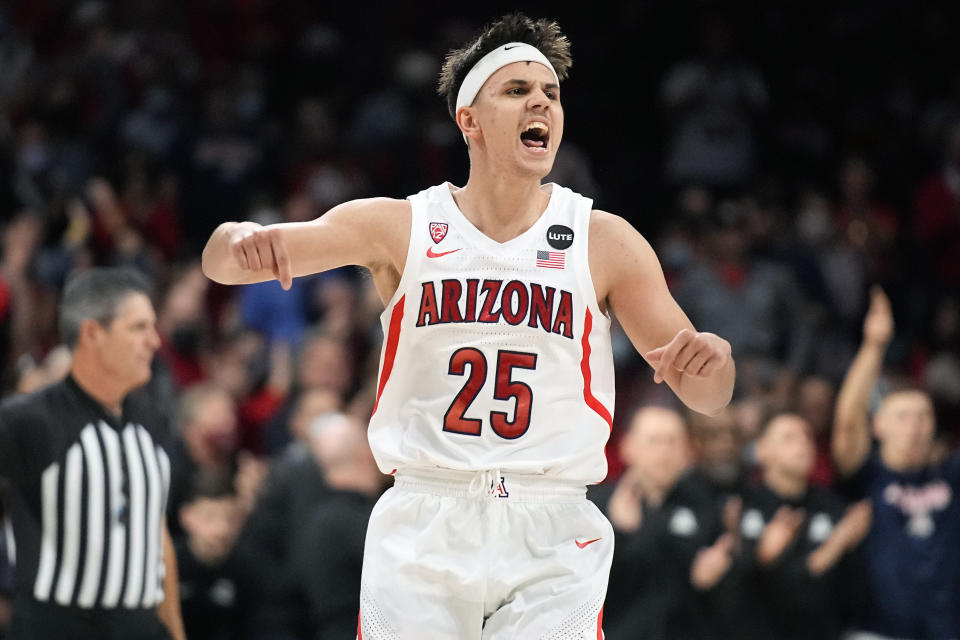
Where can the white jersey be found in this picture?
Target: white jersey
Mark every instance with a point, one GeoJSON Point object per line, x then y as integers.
{"type": "Point", "coordinates": [495, 355]}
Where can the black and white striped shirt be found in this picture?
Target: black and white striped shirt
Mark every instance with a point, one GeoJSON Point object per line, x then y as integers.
{"type": "Point", "coordinates": [87, 495]}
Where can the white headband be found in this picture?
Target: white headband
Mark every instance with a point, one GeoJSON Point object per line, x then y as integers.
{"type": "Point", "coordinates": [496, 59]}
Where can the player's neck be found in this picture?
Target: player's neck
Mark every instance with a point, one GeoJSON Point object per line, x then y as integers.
{"type": "Point", "coordinates": [99, 386]}
{"type": "Point", "coordinates": [500, 207]}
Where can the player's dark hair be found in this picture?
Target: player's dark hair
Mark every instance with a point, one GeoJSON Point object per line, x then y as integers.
{"type": "Point", "coordinates": [543, 34]}
{"type": "Point", "coordinates": [96, 294]}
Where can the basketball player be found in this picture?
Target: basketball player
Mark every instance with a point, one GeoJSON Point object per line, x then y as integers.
{"type": "Point", "coordinates": [495, 394]}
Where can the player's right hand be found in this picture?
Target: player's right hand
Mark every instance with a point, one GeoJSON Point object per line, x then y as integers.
{"type": "Point", "coordinates": [256, 248]}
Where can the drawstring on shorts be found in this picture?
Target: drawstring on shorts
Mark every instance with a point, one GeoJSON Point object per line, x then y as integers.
{"type": "Point", "coordinates": [483, 483]}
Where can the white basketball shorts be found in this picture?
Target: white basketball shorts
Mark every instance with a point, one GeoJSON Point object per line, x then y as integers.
{"type": "Point", "coordinates": [486, 556]}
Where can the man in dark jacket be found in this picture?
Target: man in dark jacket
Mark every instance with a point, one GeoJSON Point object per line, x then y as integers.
{"type": "Point", "coordinates": [329, 549]}
{"type": "Point", "coordinates": [671, 550]}
{"type": "Point", "coordinates": [796, 540]}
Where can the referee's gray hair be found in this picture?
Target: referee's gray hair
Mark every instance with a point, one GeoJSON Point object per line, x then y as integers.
{"type": "Point", "coordinates": [96, 294]}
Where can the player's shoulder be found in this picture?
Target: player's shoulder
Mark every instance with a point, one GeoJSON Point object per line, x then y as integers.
{"type": "Point", "coordinates": [614, 241]}
{"type": "Point", "coordinates": [373, 207]}
{"type": "Point", "coordinates": [605, 225]}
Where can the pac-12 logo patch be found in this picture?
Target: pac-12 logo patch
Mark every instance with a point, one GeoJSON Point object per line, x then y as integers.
{"type": "Point", "coordinates": [559, 236]}
{"type": "Point", "coordinates": [438, 231]}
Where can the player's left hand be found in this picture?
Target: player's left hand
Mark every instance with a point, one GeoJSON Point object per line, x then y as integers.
{"type": "Point", "coordinates": [690, 352]}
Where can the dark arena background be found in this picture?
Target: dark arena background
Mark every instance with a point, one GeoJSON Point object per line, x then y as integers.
{"type": "Point", "coordinates": [790, 162]}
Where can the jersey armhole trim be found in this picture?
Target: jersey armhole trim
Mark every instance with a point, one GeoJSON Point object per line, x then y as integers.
{"type": "Point", "coordinates": [593, 302]}
{"type": "Point", "coordinates": [408, 261]}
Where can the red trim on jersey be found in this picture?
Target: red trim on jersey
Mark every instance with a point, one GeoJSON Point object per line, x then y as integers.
{"type": "Point", "coordinates": [599, 625]}
{"type": "Point", "coordinates": [592, 402]}
{"type": "Point", "coordinates": [360, 635]}
{"type": "Point", "coordinates": [393, 337]}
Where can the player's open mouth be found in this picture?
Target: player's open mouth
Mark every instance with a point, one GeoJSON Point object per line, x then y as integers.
{"type": "Point", "coordinates": [535, 136]}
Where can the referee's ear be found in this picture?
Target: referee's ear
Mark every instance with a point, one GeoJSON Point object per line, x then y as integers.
{"type": "Point", "coordinates": [90, 329]}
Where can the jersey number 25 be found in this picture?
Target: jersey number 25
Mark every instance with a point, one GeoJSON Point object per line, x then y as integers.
{"type": "Point", "coordinates": [504, 388]}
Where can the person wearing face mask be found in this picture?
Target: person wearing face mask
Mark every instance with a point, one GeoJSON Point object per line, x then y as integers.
{"type": "Point", "coordinates": [206, 444]}
{"type": "Point", "coordinates": [912, 553]}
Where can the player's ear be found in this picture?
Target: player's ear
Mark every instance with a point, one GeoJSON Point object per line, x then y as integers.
{"type": "Point", "coordinates": [468, 123]}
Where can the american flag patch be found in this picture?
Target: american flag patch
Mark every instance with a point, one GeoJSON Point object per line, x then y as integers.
{"type": "Point", "coordinates": [550, 259]}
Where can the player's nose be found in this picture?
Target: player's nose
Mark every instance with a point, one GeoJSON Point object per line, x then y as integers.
{"type": "Point", "coordinates": [538, 99]}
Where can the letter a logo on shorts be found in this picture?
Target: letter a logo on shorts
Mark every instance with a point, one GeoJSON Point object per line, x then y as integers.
{"type": "Point", "coordinates": [501, 489]}
{"type": "Point", "coordinates": [438, 231]}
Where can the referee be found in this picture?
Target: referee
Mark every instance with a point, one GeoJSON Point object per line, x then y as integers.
{"type": "Point", "coordinates": [88, 478]}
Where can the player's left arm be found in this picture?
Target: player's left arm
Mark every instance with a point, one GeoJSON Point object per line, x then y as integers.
{"type": "Point", "coordinates": [169, 609]}
{"type": "Point", "coordinates": [629, 280]}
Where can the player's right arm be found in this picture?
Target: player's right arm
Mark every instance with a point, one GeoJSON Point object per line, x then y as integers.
{"type": "Point", "coordinates": [851, 432]}
{"type": "Point", "coordinates": [371, 233]}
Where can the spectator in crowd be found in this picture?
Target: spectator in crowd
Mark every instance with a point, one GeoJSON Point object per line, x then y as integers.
{"type": "Point", "coordinates": [937, 215]}
{"type": "Point", "coordinates": [713, 100]}
{"type": "Point", "coordinates": [295, 486]}
{"type": "Point", "coordinates": [717, 447]}
{"type": "Point", "coordinates": [329, 548]}
{"type": "Point", "coordinates": [672, 551]}
{"type": "Point", "coordinates": [323, 363]}
{"type": "Point", "coordinates": [205, 445]}
{"type": "Point", "coordinates": [912, 553]}
{"type": "Point", "coordinates": [727, 285]}
{"type": "Point", "coordinates": [215, 580]}
{"type": "Point", "coordinates": [798, 575]}
{"type": "Point", "coordinates": [815, 398]}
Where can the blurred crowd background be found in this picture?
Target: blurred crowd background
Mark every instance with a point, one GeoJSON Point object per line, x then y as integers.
{"type": "Point", "coordinates": [781, 157]}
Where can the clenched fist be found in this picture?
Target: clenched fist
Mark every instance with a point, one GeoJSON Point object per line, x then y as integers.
{"type": "Point", "coordinates": [256, 248]}
{"type": "Point", "coordinates": [695, 354]}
